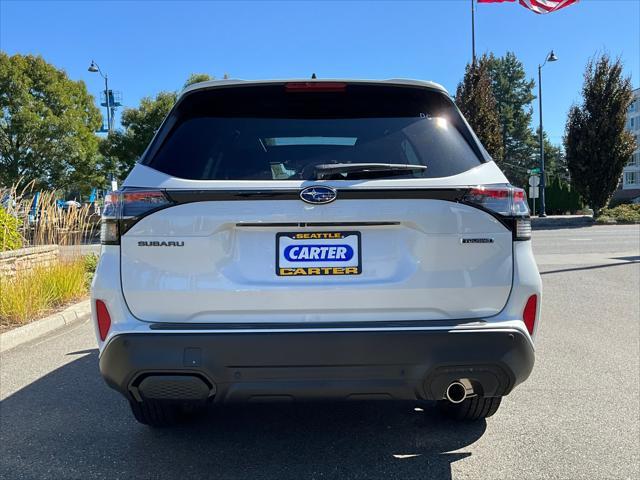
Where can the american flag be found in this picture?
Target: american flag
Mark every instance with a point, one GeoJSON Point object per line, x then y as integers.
{"type": "Point", "coordinates": [538, 6]}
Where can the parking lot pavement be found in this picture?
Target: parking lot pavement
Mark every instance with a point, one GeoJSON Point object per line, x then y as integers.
{"type": "Point", "coordinates": [576, 417]}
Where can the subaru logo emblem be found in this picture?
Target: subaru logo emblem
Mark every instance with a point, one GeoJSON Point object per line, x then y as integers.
{"type": "Point", "coordinates": [318, 194]}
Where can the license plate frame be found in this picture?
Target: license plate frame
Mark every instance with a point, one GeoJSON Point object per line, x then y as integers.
{"type": "Point", "coordinates": [342, 241]}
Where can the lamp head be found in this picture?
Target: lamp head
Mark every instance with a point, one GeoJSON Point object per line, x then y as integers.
{"type": "Point", "coordinates": [93, 68]}
{"type": "Point", "coordinates": [552, 57]}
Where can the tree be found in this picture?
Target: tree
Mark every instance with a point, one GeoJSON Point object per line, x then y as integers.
{"type": "Point", "coordinates": [555, 161]}
{"type": "Point", "coordinates": [197, 78]}
{"type": "Point", "coordinates": [47, 125]}
{"type": "Point", "coordinates": [121, 149]}
{"type": "Point", "coordinates": [596, 142]}
{"type": "Point", "coordinates": [513, 93]}
{"type": "Point", "coordinates": [474, 97]}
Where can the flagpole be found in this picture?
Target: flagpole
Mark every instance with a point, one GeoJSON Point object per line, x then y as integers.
{"type": "Point", "coordinates": [473, 35]}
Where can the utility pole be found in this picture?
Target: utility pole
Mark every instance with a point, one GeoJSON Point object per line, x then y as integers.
{"type": "Point", "coordinates": [473, 35]}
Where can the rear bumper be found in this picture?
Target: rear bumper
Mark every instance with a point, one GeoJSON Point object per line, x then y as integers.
{"type": "Point", "coordinates": [239, 367]}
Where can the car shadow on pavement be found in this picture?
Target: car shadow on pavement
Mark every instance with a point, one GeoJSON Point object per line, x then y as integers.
{"type": "Point", "coordinates": [69, 424]}
{"type": "Point", "coordinates": [626, 261]}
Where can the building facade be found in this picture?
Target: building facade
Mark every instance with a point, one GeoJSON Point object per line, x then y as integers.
{"type": "Point", "coordinates": [631, 172]}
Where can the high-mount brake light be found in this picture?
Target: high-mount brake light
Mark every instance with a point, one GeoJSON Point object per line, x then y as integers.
{"type": "Point", "coordinates": [315, 86]}
{"type": "Point", "coordinates": [507, 202]}
{"type": "Point", "coordinates": [123, 208]}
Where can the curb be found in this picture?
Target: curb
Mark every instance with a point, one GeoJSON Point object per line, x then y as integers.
{"type": "Point", "coordinates": [561, 221]}
{"type": "Point", "coordinates": [70, 315]}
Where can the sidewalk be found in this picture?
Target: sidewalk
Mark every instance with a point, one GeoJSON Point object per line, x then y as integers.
{"type": "Point", "coordinates": [73, 313]}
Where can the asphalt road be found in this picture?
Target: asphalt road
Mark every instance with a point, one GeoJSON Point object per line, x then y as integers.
{"type": "Point", "coordinates": [576, 417]}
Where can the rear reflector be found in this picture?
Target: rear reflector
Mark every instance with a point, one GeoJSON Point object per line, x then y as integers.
{"type": "Point", "coordinates": [104, 319]}
{"type": "Point", "coordinates": [315, 87]}
{"type": "Point", "coordinates": [529, 314]}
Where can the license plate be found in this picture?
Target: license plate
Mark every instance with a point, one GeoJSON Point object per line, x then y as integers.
{"type": "Point", "coordinates": [318, 253]}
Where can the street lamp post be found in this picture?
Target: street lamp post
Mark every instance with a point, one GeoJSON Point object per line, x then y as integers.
{"type": "Point", "coordinates": [94, 68]}
{"type": "Point", "coordinates": [551, 57]}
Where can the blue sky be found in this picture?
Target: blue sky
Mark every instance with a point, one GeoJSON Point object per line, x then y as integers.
{"type": "Point", "coordinates": [150, 46]}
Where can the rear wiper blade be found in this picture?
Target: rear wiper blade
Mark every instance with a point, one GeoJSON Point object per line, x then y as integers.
{"type": "Point", "coordinates": [330, 168]}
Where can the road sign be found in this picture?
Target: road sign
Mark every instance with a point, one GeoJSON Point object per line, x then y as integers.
{"type": "Point", "coordinates": [534, 192]}
{"type": "Point", "coordinates": [534, 171]}
{"type": "Point", "coordinates": [534, 180]}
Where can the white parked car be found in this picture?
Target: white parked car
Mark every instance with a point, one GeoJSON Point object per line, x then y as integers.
{"type": "Point", "coordinates": [314, 240]}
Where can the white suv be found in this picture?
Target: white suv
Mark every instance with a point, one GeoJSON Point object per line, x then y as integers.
{"type": "Point", "coordinates": [315, 240]}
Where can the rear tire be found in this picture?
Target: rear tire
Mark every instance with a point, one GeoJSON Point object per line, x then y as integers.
{"type": "Point", "coordinates": [472, 408]}
{"type": "Point", "coordinates": [156, 413]}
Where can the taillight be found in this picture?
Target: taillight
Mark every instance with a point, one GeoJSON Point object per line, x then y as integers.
{"type": "Point", "coordinates": [110, 214]}
{"type": "Point", "coordinates": [104, 319]}
{"type": "Point", "coordinates": [506, 202]}
{"type": "Point", "coordinates": [529, 313]}
{"type": "Point", "coordinates": [124, 208]}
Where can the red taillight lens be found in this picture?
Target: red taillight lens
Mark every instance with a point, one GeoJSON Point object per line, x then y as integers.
{"type": "Point", "coordinates": [138, 202]}
{"type": "Point", "coordinates": [529, 313]}
{"type": "Point", "coordinates": [104, 319]}
{"type": "Point", "coordinates": [507, 201]}
{"type": "Point", "coordinates": [127, 205]}
{"type": "Point", "coordinates": [495, 193]}
{"type": "Point", "coordinates": [315, 87]}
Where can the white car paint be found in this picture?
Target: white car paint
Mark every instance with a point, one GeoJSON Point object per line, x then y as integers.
{"type": "Point", "coordinates": [418, 269]}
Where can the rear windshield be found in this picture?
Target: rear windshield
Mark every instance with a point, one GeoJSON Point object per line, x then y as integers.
{"type": "Point", "coordinates": [270, 133]}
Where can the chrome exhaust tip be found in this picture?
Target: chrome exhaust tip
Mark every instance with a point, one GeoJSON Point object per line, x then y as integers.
{"type": "Point", "coordinates": [456, 392]}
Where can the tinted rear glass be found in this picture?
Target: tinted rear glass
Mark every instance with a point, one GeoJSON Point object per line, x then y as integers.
{"type": "Point", "coordinates": [267, 133]}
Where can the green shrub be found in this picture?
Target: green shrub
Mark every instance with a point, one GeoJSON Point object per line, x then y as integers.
{"type": "Point", "coordinates": [10, 237]}
{"type": "Point", "coordinates": [91, 262]}
{"type": "Point", "coordinates": [625, 213]}
{"type": "Point", "coordinates": [560, 198]}
{"type": "Point", "coordinates": [90, 265]}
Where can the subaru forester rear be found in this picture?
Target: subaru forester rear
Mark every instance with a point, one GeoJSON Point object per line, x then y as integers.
{"type": "Point", "coordinates": [315, 240]}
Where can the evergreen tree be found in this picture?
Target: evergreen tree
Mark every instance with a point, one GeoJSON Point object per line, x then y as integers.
{"type": "Point", "coordinates": [513, 93]}
{"type": "Point", "coordinates": [474, 97]}
{"type": "Point", "coordinates": [555, 161]}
